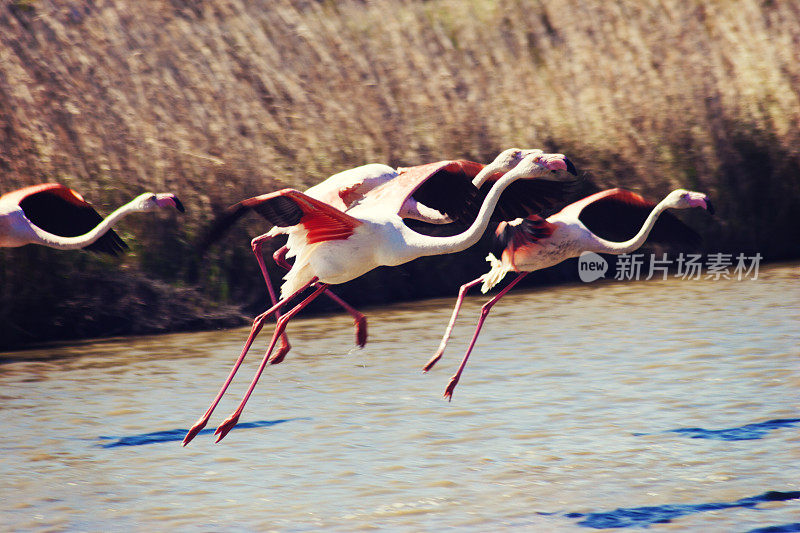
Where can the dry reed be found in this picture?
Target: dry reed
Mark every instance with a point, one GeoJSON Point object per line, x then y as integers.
{"type": "Point", "coordinates": [220, 99]}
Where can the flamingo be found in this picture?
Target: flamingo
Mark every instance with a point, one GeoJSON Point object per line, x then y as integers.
{"type": "Point", "coordinates": [56, 216]}
{"type": "Point", "coordinates": [341, 190]}
{"type": "Point", "coordinates": [333, 247]}
{"type": "Point", "coordinates": [535, 243]}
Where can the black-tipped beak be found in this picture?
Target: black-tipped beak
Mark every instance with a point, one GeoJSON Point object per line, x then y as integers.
{"type": "Point", "coordinates": [178, 204]}
{"type": "Point", "coordinates": [570, 167]}
{"type": "Point", "coordinates": [709, 206]}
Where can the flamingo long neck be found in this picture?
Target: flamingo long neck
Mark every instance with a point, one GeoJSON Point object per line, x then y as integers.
{"type": "Point", "coordinates": [484, 174]}
{"type": "Point", "coordinates": [421, 245]}
{"type": "Point", "coordinates": [634, 243]}
{"type": "Point", "coordinates": [81, 241]}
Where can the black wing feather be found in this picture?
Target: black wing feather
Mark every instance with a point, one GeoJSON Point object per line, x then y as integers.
{"type": "Point", "coordinates": [450, 192]}
{"type": "Point", "coordinates": [280, 211]}
{"type": "Point", "coordinates": [527, 197]}
{"type": "Point", "coordinates": [277, 210]}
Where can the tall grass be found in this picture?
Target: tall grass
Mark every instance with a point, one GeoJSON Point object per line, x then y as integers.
{"type": "Point", "coordinates": [218, 100]}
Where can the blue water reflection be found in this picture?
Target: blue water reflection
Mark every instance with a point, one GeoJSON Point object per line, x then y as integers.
{"type": "Point", "coordinates": [661, 514]}
{"type": "Point", "coordinates": [748, 432]}
{"type": "Point", "coordinates": [172, 435]}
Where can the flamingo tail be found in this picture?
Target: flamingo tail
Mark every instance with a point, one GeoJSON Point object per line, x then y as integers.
{"type": "Point", "coordinates": [496, 273]}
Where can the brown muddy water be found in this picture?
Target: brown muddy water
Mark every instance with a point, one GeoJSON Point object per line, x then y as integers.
{"type": "Point", "coordinates": [671, 405]}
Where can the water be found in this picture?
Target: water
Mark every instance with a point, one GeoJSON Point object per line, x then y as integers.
{"type": "Point", "coordinates": [668, 405]}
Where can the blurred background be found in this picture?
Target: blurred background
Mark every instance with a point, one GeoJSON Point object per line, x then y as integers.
{"type": "Point", "coordinates": [217, 100]}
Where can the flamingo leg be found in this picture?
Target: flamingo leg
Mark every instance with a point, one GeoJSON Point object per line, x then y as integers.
{"type": "Point", "coordinates": [232, 420]}
{"type": "Point", "coordinates": [461, 294]}
{"type": "Point", "coordinates": [258, 323]}
{"type": "Point", "coordinates": [256, 244]}
{"type": "Point", "coordinates": [359, 320]}
{"type": "Point", "coordinates": [448, 393]}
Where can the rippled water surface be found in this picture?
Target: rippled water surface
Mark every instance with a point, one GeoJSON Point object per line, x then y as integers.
{"type": "Point", "coordinates": [671, 405]}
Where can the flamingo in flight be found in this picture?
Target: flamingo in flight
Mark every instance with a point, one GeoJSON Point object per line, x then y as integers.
{"type": "Point", "coordinates": [340, 191]}
{"type": "Point", "coordinates": [534, 243]}
{"type": "Point", "coordinates": [332, 247]}
{"type": "Point", "coordinates": [56, 216]}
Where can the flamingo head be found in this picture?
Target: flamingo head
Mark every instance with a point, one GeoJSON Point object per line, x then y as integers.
{"type": "Point", "coordinates": [149, 201]}
{"type": "Point", "coordinates": [536, 163]}
{"type": "Point", "coordinates": [508, 159]}
{"type": "Point", "coordinates": [683, 199]}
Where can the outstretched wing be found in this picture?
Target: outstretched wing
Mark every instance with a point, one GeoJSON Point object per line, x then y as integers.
{"type": "Point", "coordinates": [322, 222]}
{"type": "Point", "coordinates": [59, 210]}
{"type": "Point", "coordinates": [540, 196]}
{"type": "Point", "coordinates": [445, 186]}
{"type": "Point", "coordinates": [347, 187]}
{"type": "Point", "coordinates": [286, 208]}
{"type": "Point", "coordinates": [618, 215]}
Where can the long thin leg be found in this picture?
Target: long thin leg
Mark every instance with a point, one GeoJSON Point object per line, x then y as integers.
{"type": "Point", "coordinates": [258, 323]}
{"type": "Point", "coordinates": [448, 393]}
{"type": "Point", "coordinates": [256, 244]}
{"type": "Point", "coordinates": [232, 420]}
{"type": "Point", "coordinates": [359, 320]}
{"type": "Point", "coordinates": [442, 345]}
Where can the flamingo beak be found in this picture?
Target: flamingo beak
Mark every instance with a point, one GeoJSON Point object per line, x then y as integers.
{"type": "Point", "coordinates": [170, 200]}
{"type": "Point", "coordinates": [570, 167]}
{"type": "Point", "coordinates": [698, 199]}
{"type": "Point", "coordinates": [557, 162]}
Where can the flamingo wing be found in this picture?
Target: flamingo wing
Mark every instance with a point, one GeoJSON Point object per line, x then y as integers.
{"type": "Point", "coordinates": [618, 214]}
{"type": "Point", "coordinates": [445, 186]}
{"type": "Point", "coordinates": [532, 196]}
{"type": "Point", "coordinates": [289, 207]}
{"type": "Point", "coordinates": [59, 210]}
{"type": "Point", "coordinates": [343, 189]}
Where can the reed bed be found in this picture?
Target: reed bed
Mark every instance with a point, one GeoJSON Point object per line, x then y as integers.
{"type": "Point", "coordinates": [221, 99]}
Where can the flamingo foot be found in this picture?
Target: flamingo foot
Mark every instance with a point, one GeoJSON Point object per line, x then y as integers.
{"type": "Point", "coordinates": [361, 331]}
{"type": "Point", "coordinates": [280, 354]}
{"type": "Point", "coordinates": [448, 392]}
{"type": "Point", "coordinates": [227, 426]}
{"type": "Point", "coordinates": [196, 428]}
{"type": "Point", "coordinates": [434, 359]}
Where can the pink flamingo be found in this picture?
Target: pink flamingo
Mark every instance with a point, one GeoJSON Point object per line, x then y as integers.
{"type": "Point", "coordinates": [333, 247]}
{"type": "Point", "coordinates": [340, 191]}
{"type": "Point", "coordinates": [534, 243]}
{"type": "Point", "coordinates": [56, 216]}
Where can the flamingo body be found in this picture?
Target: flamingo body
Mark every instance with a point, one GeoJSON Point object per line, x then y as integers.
{"type": "Point", "coordinates": [614, 215]}
{"type": "Point", "coordinates": [534, 243]}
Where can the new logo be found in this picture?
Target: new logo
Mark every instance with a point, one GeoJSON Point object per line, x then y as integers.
{"type": "Point", "coordinates": [591, 266]}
